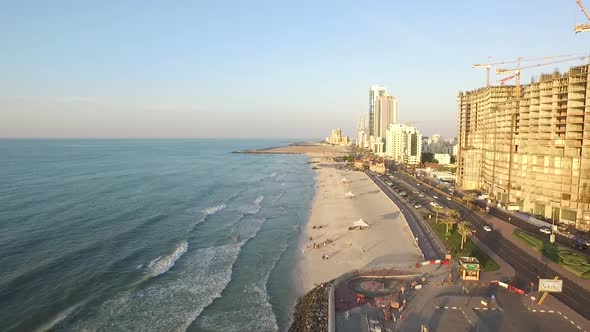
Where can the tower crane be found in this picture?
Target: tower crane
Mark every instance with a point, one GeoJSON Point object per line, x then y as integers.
{"type": "Point", "coordinates": [503, 80]}
{"type": "Point", "coordinates": [518, 60]}
{"type": "Point", "coordinates": [582, 26]}
{"type": "Point", "coordinates": [517, 70]}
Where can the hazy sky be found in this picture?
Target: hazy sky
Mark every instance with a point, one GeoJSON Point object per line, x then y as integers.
{"type": "Point", "coordinates": [256, 69]}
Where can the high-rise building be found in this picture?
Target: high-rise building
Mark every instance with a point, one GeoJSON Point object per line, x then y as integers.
{"type": "Point", "coordinates": [530, 153]}
{"type": "Point", "coordinates": [404, 144]}
{"type": "Point", "coordinates": [385, 114]}
{"type": "Point", "coordinates": [374, 92]}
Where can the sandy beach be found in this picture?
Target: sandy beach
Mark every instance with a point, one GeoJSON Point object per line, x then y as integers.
{"type": "Point", "coordinates": [337, 250]}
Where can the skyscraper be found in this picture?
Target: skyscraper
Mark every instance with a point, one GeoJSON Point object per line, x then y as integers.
{"type": "Point", "coordinates": [385, 114]}
{"type": "Point", "coordinates": [374, 92]}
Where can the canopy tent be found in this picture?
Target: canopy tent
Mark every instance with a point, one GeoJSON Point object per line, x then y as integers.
{"type": "Point", "coordinates": [349, 194]}
{"type": "Point", "coordinates": [360, 224]}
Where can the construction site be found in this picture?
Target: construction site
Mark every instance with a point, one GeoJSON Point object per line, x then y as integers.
{"type": "Point", "coordinates": [528, 146]}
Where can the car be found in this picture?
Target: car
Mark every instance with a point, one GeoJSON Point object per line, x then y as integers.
{"type": "Point", "coordinates": [435, 204]}
{"type": "Point", "coordinates": [449, 198]}
{"type": "Point", "coordinates": [545, 230]}
{"type": "Point", "coordinates": [417, 205]}
{"type": "Point", "coordinates": [581, 244]}
{"type": "Point", "coordinates": [414, 191]}
{"type": "Point", "coordinates": [487, 228]}
{"type": "Point", "coordinates": [434, 196]}
{"type": "Point", "coordinates": [417, 184]}
{"type": "Point", "coordinates": [421, 195]}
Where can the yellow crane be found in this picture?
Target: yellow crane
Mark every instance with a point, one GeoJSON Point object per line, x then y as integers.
{"type": "Point", "coordinates": [518, 60]}
{"type": "Point", "coordinates": [582, 26]}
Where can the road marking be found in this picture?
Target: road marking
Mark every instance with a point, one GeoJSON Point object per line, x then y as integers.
{"type": "Point", "coordinates": [541, 310]}
{"type": "Point", "coordinates": [454, 308]}
{"type": "Point", "coordinates": [551, 311]}
{"type": "Point", "coordinates": [571, 321]}
{"type": "Point", "coordinates": [446, 307]}
{"type": "Point", "coordinates": [564, 316]}
{"type": "Point", "coordinates": [534, 310]}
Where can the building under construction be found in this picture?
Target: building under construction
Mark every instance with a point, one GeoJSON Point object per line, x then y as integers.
{"type": "Point", "coordinates": [530, 153]}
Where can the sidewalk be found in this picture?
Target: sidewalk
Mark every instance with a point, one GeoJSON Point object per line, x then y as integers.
{"type": "Point", "coordinates": [507, 230]}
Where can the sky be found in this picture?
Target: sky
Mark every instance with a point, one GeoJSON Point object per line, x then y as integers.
{"type": "Point", "coordinates": [257, 69]}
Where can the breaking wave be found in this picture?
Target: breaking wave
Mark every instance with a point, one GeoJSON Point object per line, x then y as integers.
{"type": "Point", "coordinates": [161, 265]}
{"type": "Point", "coordinates": [213, 209]}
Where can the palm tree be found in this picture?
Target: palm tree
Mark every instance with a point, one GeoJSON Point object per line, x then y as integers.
{"type": "Point", "coordinates": [465, 231]}
{"type": "Point", "coordinates": [454, 214]}
{"type": "Point", "coordinates": [449, 222]}
{"type": "Point", "coordinates": [469, 198]}
{"type": "Point", "coordinates": [437, 209]}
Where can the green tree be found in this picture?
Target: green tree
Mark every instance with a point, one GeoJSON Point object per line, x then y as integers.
{"type": "Point", "coordinates": [427, 157]}
{"type": "Point", "coordinates": [449, 222]}
{"type": "Point", "coordinates": [437, 210]}
{"type": "Point", "coordinates": [465, 230]}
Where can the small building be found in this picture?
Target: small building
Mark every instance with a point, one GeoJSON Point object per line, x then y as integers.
{"type": "Point", "coordinates": [443, 158]}
{"type": "Point", "coordinates": [470, 268]}
{"type": "Point", "coordinates": [377, 167]}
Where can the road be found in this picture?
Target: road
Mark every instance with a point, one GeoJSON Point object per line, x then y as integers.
{"type": "Point", "coordinates": [527, 267]}
{"type": "Point", "coordinates": [431, 246]}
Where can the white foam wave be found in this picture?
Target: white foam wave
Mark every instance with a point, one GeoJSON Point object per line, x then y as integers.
{"type": "Point", "coordinates": [273, 175]}
{"type": "Point", "coordinates": [169, 304]}
{"type": "Point", "coordinates": [139, 266]}
{"type": "Point", "coordinates": [213, 209]}
{"type": "Point", "coordinates": [161, 265]}
{"type": "Point", "coordinates": [255, 208]}
{"type": "Point", "coordinates": [209, 212]}
{"type": "Point", "coordinates": [254, 314]}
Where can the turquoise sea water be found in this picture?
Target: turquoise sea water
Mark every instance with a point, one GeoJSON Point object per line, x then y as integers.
{"type": "Point", "coordinates": [149, 235]}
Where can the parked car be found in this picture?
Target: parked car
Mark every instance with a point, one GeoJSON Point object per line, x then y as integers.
{"type": "Point", "coordinates": [487, 228]}
{"type": "Point", "coordinates": [449, 198]}
{"type": "Point", "coordinates": [545, 230]}
{"type": "Point", "coordinates": [415, 191]}
{"type": "Point", "coordinates": [421, 195]}
{"type": "Point", "coordinates": [417, 205]}
{"type": "Point", "coordinates": [434, 196]}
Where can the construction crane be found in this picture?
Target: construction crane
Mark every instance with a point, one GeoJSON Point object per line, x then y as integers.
{"type": "Point", "coordinates": [503, 80]}
{"type": "Point", "coordinates": [518, 60]}
{"type": "Point", "coordinates": [582, 26]}
{"type": "Point", "coordinates": [517, 70]}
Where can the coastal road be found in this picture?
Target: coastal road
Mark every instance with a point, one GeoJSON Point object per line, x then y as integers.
{"type": "Point", "coordinates": [431, 246]}
{"type": "Point", "coordinates": [528, 269]}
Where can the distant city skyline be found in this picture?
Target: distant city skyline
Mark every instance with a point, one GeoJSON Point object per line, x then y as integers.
{"type": "Point", "coordinates": [256, 69]}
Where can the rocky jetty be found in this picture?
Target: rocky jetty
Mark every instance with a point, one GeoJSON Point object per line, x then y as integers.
{"type": "Point", "coordinates": [311, 311]}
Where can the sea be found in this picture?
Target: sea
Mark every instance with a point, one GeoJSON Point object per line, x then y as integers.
{"type": "Point", "coordinates": [149, 235]}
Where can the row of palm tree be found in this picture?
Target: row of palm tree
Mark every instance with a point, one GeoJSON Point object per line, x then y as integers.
{"type": "Point", "coordinates": [453, 217]}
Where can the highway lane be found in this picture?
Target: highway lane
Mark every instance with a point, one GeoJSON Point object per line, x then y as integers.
{"type": "Point", "coordinates": [427, 241]}
{"type": "Point", "coordinates": [527, 267]}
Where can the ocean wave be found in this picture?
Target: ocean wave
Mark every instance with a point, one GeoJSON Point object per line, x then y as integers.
{"type": "Point", "coordinates": [170, 304]}
{"type": "Point", "coordinates": [209, 212]}
{"type": "Point", "coordinates": [253, 209]}
{"type": "Point", "coordinates": [255, 314]}
{"type": "Point", "coordinates": [161, 265]}
{"type": "Point", "coordinates": [213, 209]}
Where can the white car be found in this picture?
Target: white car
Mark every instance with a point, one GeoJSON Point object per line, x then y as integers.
{"type": "Point", "coordinates": [434, 196]}
{"type": "Point", "coordinates": [487, 228]}
{"type": "Point", "coordinates": [421, 195]}
{"type": "Point", "coordinates": [449, 198]}
{"type": "Point", "coordinates": [417, 206]}
{"type": "Point", "coordinates": [545, 230]}
{"type": "Point", "coordinates": [415, 191]}
{"type": "Point", "coordinates": [435, 204]}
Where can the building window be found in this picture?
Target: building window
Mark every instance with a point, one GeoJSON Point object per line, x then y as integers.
{"type": "Point", "coordinates": [566, 197]}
